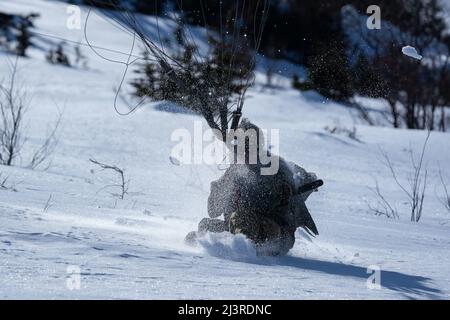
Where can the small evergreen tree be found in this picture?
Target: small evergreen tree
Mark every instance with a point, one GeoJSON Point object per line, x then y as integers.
{"type": "Point", "coordinates": [5, 29]}
{"type": "Point", "coordinates": [58, 56]}
{"type": "Point", "coordinates": [23, 38]}
{"type": "Point", "coordinates": [15, 35]}
{"type": "Point", "coordinates": [217, 80]}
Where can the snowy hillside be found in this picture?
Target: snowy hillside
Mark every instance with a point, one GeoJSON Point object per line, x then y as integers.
{"type": "Point", "coordinates": [52, 220]}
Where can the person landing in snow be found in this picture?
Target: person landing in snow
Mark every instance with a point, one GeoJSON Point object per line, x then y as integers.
{"type": "Point", "coordinates": [267, 209]}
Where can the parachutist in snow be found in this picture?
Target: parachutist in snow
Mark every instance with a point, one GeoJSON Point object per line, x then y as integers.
{"type": "Point", "coordinates": [267, 209]}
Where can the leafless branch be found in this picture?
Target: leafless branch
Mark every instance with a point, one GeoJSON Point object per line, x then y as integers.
{"type": "Point", "coordinates": [386, 208]}
{"type": "Point", "coordinates": [48, 203]}
{"type": "Point", "coordinates": [446, 200]}
{"type": "Point", "coordinates": [48, 147]}
{"type": "Point", "coordinates": [123, 185]}
{"type": "Point", "coordinates": [418, 182]}
{"type": "Point", "coordinates": [14, 103]}
{"type": "Point", "coordinates": [4, 184]}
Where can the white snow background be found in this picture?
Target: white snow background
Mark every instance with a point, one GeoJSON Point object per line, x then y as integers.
{"type": "Point", "coordinates": [134, 248]}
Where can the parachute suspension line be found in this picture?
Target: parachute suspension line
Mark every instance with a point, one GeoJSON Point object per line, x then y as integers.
{"type": "Point", "coordinates": [127, 65]}
{"type": "Point", "coordinates": [237, 114]}
{"type": "Point", "coordinates": [150, 46]}
{"type": "Point", "coordinates": [51, 36]}
{"type": "Point", "coordinates": [127, 21]}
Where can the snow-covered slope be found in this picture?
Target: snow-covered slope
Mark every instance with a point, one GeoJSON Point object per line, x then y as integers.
{"type": "Point", "coordinates": [134, 248]}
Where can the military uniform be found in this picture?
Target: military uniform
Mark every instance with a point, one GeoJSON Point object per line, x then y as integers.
{"type": "Point", "coordinates": [265, 208]}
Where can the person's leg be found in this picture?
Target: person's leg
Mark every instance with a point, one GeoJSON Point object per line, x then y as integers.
{"type": "Point", "coordinates": [254, 227]}
{"type": "Point", "coordinates": [277, 246]}
{"type": "Point", "coordinates": [270, 237]}
{"type": "Point", "coordinates": [246, 224]}
{"type": "Point", "coordinates": [269, 230]}
{"type": "Point", "coordinates": [206, 225]}
{"type": "Point", "coordinates": [286, 241]}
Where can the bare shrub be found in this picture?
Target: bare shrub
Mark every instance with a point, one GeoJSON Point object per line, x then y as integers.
{"type": "Point", "coordinates": [415, 191]}
{"type": "Point", "coordinates": [446, 200]}
{"type": "Point", "coordinates": [122, 185]}
{"type": "Point", "coordinates": [5, 185]}
{"type": "Point", "coordinates": [383, 208]}
{"type": "Point", "coordinates": [48, 147]}
{"type": "Point", "coordinates": [340, 129]}
{"type": "Point", "coordinates": [14, 104]}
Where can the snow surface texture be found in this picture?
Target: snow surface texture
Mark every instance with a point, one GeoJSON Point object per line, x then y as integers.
{"type": "Point", "coordinates": [133, 248]}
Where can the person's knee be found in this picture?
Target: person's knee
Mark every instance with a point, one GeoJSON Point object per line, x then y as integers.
{"type": "Point", "coordinates": [270, 230]}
